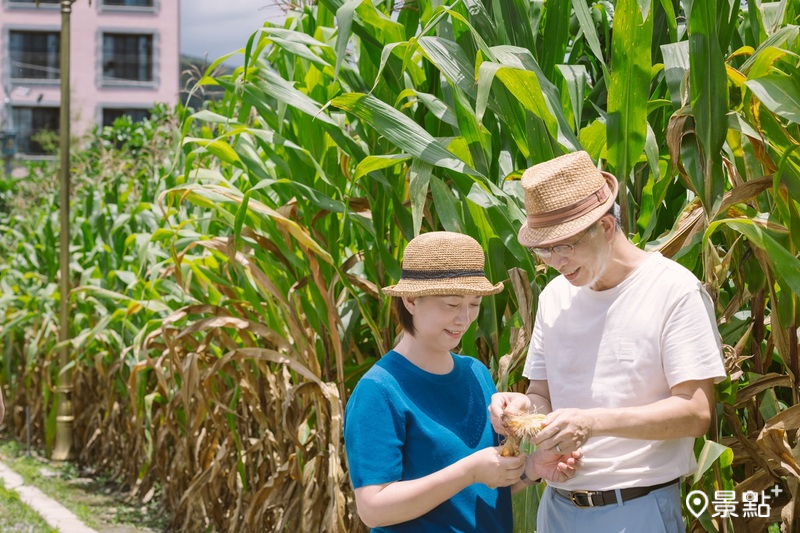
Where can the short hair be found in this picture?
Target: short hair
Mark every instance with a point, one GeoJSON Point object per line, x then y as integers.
{"type": "Point", "coordinates": [614, 212]}
{"type": "Point", "coordinates": [405, 318]}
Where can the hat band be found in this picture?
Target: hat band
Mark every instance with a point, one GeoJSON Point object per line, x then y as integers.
{"type": "Point", "coordinates": [439, 274]}
{"type": "Point", "coordinates": [570, 212]}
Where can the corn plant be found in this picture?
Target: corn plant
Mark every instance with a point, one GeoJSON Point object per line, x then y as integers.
{"type": "Point", "coordinates": [120, 285]}
{"type": "Point", "coordinates": [244, 303]}
{"type": "Point", "coordinates": [436, 111]}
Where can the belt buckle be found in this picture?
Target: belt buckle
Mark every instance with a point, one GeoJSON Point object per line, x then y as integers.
{"type": "Point", "coordinates": [587, 493]}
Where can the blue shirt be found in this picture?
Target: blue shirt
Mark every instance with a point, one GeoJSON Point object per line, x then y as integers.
{"type": "Point", "coordinates": [404, 423]}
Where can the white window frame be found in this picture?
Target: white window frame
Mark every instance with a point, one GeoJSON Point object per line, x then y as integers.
{"type": "Point", "coordinates": [103, 83]}
{"type": "Point", "coordinates": [30, 5]}
{"type": "Point", "coordinates": [154, 9]}
{"type": "Point", "coordinates": [6, 60]}
{"type": "Point", "coordinates": [29, 105]}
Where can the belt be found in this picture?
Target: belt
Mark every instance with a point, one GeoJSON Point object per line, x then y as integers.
{"type": "Point", "coordinates": [597, 498]}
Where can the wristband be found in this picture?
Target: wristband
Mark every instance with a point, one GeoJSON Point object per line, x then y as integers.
{"type": "Point", "coordinates": [524, 478]}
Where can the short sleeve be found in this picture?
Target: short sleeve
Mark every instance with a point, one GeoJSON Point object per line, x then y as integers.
{"type": "Point", "coordinates": [534, 364]}
{"type": "Point", "coordinates": [374, 435]}
{"type": "Point", "coordinates": [691, 345]}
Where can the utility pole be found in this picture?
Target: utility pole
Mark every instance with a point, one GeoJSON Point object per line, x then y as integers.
{"type": "Point", "coordinates": [65, 416]}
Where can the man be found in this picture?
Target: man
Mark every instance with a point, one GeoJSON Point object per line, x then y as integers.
{"type": "Point", "coordinates": [623, 359]}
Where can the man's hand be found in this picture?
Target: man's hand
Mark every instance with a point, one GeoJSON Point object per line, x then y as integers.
{"type": "Point", "coordinates": [553, 466]}
{"type": "Point", "coordinates": [564, 431]}
{"type": "Point", "coordinates": [506, 402]}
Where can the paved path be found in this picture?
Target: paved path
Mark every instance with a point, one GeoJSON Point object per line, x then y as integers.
{"type": "Point", "coordinates": [55, 514]}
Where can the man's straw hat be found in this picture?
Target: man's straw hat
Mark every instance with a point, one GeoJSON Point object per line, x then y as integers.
{"type": "Point", "coordinates": [563, 197]}
{"type": "Point", "coordinates": [443, 263]}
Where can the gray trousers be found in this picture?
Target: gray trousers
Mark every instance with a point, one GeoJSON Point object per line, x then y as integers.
{"type": "Point", "coordinates": [657, 512]}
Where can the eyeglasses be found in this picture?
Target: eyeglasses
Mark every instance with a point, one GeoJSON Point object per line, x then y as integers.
{"type": "Point", "coordinates": [564, 250]}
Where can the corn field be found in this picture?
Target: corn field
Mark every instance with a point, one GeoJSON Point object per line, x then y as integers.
{"type": "Point", "coordinates": [226, 262]}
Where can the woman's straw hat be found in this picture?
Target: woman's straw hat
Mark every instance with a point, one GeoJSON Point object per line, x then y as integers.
{"type": "Point", "coordinates": [563, 197]}
{"type": "Point", "coordinates": [443, 263]}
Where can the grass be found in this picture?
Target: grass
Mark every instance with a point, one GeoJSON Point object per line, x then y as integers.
{"type": "Point", "coordinates": [95, 500]}
{"type": "Point", "coordinates": [15, 516]}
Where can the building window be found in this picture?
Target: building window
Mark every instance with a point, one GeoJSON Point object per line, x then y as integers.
{"type": "Point", "coordinates": [127, 57]}
{"type": "Point", "coordinates": [35, 122]}
{"type": "Point", "coordinates": [128, 3]}
{"type": "Point", "coordinates": [34, 55]}
{"type": "Point", "coordinates": [133, 6]}
{"type": "Point", "coordinates": [110, 114]}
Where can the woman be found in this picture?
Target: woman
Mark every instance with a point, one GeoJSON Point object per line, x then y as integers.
{"type": "Point", "coordinates": [422, 453]}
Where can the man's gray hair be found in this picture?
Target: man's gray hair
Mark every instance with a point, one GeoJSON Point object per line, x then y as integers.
{"type": "Point", "coordinates": [614, 211]}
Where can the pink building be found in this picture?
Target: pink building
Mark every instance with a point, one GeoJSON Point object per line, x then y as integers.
{"type": "Point", "coordinates": [124, 58]}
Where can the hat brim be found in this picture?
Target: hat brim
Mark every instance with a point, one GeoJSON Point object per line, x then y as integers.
{"type": "Point", "coordinates": [551, 234]}
{"type": "Point", "coordinates": [467, 286]}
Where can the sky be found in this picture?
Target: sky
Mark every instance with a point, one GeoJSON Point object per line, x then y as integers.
{"type": "Point", "coordinates": [215, 27]}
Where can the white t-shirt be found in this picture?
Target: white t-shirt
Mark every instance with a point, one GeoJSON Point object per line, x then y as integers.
{"type": "Point", "coordinates": [623, 347]}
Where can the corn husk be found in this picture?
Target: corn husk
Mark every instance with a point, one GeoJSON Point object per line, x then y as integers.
{"type": "Point", "coordinates": [520, 426]}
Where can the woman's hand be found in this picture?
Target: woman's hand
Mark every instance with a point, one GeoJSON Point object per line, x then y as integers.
{"type": "Point", "coordinates": [506, 402]}
{"type": "Point", "coordinates": [487, 466]}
